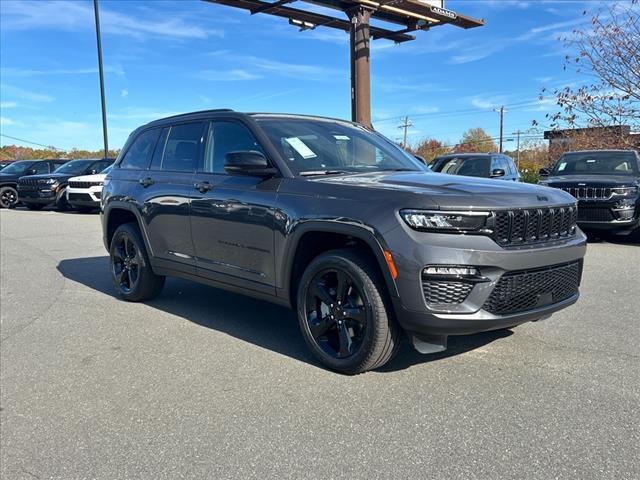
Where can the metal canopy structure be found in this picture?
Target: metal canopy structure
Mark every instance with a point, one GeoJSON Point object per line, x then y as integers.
{"type": "Point", "coordinates": [408, 15]}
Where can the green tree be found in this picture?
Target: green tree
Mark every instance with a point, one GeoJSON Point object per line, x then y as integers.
{"type": "Point", "coordinates": [476, 140]}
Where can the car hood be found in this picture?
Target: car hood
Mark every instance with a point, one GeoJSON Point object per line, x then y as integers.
{"type": "Point", "coordinates": [98, 177]}
{"type": "Point", "coordinates": [8, 177]}
{"type": "Point", "coordinates": [591, 180]}
{"type": "Point", "coordinates": [62, 177]}
{"type": "Point", "coordinates": [454, 191]}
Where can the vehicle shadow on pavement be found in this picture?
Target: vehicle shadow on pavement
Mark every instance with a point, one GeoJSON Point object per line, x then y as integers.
{"type": "Point", "coordinates": [264, 324]}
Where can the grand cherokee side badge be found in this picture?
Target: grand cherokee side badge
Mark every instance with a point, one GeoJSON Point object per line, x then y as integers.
{"type": "Point", "coordinates": [542, 198]}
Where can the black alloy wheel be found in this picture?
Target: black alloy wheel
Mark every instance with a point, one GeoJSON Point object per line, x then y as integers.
{"type": "Point", "coordinates": [336, 313]}
{"type": "Point", "coordinates": [344, 312]}
{"type": "Point", "coordinates": [126, 264]}
{"type": "Point", "coordinates": [131, 271]}
{"type": "Point", "coordinates": [8, 197]}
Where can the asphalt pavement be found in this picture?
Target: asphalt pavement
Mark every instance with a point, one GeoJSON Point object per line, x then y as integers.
{"type": "Point", "coordinates": [200, 383]}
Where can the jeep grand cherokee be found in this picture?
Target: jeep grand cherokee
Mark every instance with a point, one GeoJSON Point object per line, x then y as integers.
{"type": "Point", "coordinates": [606, 184]}
{"type": "Point", "coordinates": [332, 219]}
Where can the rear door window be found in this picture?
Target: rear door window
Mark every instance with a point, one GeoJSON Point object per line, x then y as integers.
{"type": "Point", "coordinates": [139, 154]}
{"type": "Point", "coordinates": [182, 149]}
{"type": "Point", "coordinates": [40, 167]}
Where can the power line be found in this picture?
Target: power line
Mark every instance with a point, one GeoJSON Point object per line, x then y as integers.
{"type": "Point", "coordinates": [31, 143]}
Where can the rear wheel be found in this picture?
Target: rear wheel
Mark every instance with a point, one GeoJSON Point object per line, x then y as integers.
{"type": "Point", "coordinates": [8, 197]}
{"type": "Point", "coordinates": [130, 269]}
{"type": "Point", "coordinates": [343, 314]}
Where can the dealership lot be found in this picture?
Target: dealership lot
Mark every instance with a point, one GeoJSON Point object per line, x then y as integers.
{"type": "Point", "coordinates": [204, 383]}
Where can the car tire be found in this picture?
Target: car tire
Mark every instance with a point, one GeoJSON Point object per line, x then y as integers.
{"type": "Point", "coordinates": [8, 197]}
{"type": "Point", "coordinates": [130, 268]}
{"type": "Point", "coordinates": [345, 314]}
{"type": "Point", "coordinates": [62, 204]}
{"type": "Point", "coordinates": [34, 206]}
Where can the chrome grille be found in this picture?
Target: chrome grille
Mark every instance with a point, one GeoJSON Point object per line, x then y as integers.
{"type": "Point", "coordinates": [28, 181]}
{"type": "Point", "coordinates": [527, 226]}
{"type": "Point", "coordinates": [584, 193]}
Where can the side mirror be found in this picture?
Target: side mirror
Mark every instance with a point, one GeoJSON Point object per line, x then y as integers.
{"type": "Point", "coordinates": [422, 159]}
{"type": "Point", "coordinates": [93, 171]}
{"type": "Point", "coordinates": [497, 172]}
{"type": "Point", "coordinates": [31, 171]}
{"type": "Point", "coordinates": [544, 172]}
{"type": "Point", "coordinates": [248, 162]}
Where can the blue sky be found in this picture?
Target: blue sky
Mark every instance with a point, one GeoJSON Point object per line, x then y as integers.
{"type": "Point", "coordinates": [163, 58]}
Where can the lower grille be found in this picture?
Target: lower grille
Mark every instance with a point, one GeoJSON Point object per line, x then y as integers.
{"type": "Point", "coordinates": [588, 192]}
{"type": "Point", "coordinates": [524, 290]}
{"type": "Point", "coordinates": [598, 214]}
{"type": "Point", "coordinates": [80, 197]}
{"type": "Point", "coordinates": [76, 184]}
{"type": "Point", "coordinates": [445, 292]}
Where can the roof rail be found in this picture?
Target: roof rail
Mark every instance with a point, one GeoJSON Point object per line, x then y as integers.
{"type": "Point", "coordinates": [213, 110]}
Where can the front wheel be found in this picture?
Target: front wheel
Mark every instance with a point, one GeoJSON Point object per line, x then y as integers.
{"type": "Point", "coordinates": [8, 197]}
{"type": "Point", "coordinates": [343, 313]}
{"type": "Point", "coordinates": [130, 269]}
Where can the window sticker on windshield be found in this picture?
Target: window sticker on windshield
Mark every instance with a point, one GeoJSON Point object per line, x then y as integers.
{"type": "Point", "coordinates": [561, 166]}
{"type": "Point", "coordinates": [341, 137]}
{"type": "Point", "coordinates": [300, 147]}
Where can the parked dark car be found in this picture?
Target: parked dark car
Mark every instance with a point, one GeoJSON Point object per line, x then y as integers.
{"type": "Point", "coordinates": [337, 222]}
{"type": "Point", "coordinates": [606, 184]}
{"type": "Point", "coordinates": [485, 165]}
{"type": "Point", "coordinates": [38, 191]}
{"type": "Point", "coordinates": [9, 177]}
{"type": "Point", "coordinates": [4, 164]}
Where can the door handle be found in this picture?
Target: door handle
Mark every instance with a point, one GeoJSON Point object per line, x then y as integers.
{"type": "Point", "coordinates": [145, 182]}
{"type": "Point", "coordinates": [203, 187]}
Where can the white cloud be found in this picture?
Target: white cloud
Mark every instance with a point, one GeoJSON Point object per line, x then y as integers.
{"type": "Point", "coordinates": [227, 76]}
{"type": "Point", "coordinates": [124, 93]}
{"type": "Point", "coordinates": [24, 72]}
{"type": "Point", "coordinates": [485, 102]}
{"type": "Point", "coordinates": [74, 16]}
{"type": "Point", "coordinates": [6, 121]}
{"type": "Point", "coordinates": [17, 92]}
{"type": "Point", "coordinates": [8, 104]}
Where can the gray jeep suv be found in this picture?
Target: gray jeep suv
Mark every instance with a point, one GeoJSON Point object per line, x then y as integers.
{"type": "Point", "coordinates": [337, 222]}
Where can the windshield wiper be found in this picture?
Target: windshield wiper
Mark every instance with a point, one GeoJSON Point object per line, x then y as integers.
{"type": "Point", "coordinates": [309, 173]}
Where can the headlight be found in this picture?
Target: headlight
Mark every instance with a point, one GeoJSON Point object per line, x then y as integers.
{"type": "Point", "coordinates": [625, 190]}
{"type": "Point", "coordinates": [442, 221]}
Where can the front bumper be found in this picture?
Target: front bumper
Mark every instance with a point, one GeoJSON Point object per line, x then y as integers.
{"type": "Point", "coordinates": [84, 197]}
{"type": "Point", "coordinates": [33, 195]}
{"type": "Point", "coordinates": [413, 251]}
{"type": "Point", "coordinates": [607, 215]}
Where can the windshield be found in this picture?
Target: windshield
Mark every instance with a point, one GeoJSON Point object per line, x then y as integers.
{"type": "Point", "coordinates": [17, 167]}
{"type": "Point", "coordinates": [597, 163]}
{"type": "Point", "coordinates": [479, 166]}
{"type": "Point", "coordinates": [74, 167]}
{"type": "Point", "coordinates": [317, 146]}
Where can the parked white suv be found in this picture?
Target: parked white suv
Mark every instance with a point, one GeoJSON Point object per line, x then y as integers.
{"type": "Point", "coordinates": [84, 192]}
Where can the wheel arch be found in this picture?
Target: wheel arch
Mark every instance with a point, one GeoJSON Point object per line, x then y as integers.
{"type": "Point", "coordinates": [311, 239]}
{"type": "Point", "coordinates": [119, 213]}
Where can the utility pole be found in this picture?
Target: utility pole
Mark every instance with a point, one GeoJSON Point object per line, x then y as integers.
{"type": "Point", "coordinates": [405, 125]}
{"type": "Point", "coordinates": [501, 111]}
{"type": "Point", "coordinates": [518, 149]}
{"type": "Point", "coordinates": [101, 73]}
{"type": "Point", "coordinates": [359, 38]}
